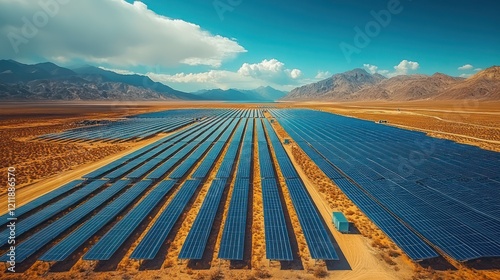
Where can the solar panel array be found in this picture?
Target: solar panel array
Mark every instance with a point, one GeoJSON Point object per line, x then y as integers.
{"type": "Point", "coordinates": [116, 236]}
{"type": "Point", "coordinates": [438, 190]}
{"type": "Point", "coordinates": [318, 241]}
{"type": "Point", "coordinates": [134, 184]}
{"type": "Point", "coordinates": [69, 244]}
{"type": "Point", "coordinates": [196, 241]}
{"type": "Point", "coordinates": [157, 234]}
{"type": "Point", "coordinates": [39, 239]}
{"type": "Point", "coordinates": [195, 244]}
{"type": "Point", "coordinates": [120, 130]}
{"type": "Point", "coordinates": [233, 235]}
{"type": "Point", "coordinates": [28, 223]}
{"type": "Point", "coordinates": [42, 200]}
{"type": "Point", "coordinates": [278, 245]}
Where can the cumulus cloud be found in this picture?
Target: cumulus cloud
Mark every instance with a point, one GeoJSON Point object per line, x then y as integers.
{"type": "Point", "coordinates": [465, 67]}
{"type": "Point", "coordinates": [271, 70]}
{"type": "Point", "coordinates": [248, 76]}
{"type": "Point", "coordinates": [107, 32]}
{"type": "Point", "coordinates": [405, 67]}
{"type": "Point", "coordinates": [323, 75]}
{"type": "Point", "coordinates": [295, 73]}
{"type": "Point", "coordinates": [478, 69]}
{"type": "Point", "coordinates": [370, 68]}
{"type": "Point", "coordinates": [465, 75]}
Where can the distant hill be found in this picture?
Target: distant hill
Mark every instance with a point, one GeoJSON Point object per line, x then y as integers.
{"type": "Point", "coordinates": [14, 72]}
{"type": "Point", "coordinates": [407, 87]}
{"type": "Point", "coordinates": [337, 87]}
{"type": "Point", "coordinates": [96, 74]}
{"type": "Point", "coordinates": [268, 93]}
{"type": "Point", "coordinates": [263, 94]}
{"type": "Point", "coordinates": [359, 85]}
{"type": "Point", "coordinates": [47, 81]}
{"type": "Point", "coordinates": [484, 85]}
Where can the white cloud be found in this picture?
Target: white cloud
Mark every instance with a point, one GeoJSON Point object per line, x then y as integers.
{"type": "Point", "coordinates": [465, 67]}
{"type": "Point", "coordinates": [478, 69]}
{"type": "Point", "coordinates": [110, 32]}
{"type": "Point", "coordinates": [371, 68]}
{"type": "Point", "coordinates": [323, 75]}
{"type": "Point", "coordinates": [271, 70]}
{"type": "Point", "coordinates": [265, 68]}
{"type": "Point", "coordinates": [465, 75]}
{"type": "Point", "coordinates": [249, 76]}
{"type": "Point", "coordinates": [403, 68]}
{"type": "Point", "coordinates": [295, 73]}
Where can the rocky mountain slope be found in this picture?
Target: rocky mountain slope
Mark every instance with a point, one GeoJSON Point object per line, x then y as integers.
{"type": "Point", "coordinates": [359, 85]}
{"type": "Point", "coordinates": [47, 81]}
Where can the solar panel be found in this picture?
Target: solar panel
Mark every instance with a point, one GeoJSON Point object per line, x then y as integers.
{"type": "Point", "coordinates": [124, 169]}
{"type": "Point", "coordinates": [115, 237]}
{"type": "Point", "coordinates": [144, 169]}
{"type": "Point", "coordinates": [28, 223]}
{"type": "Point", "coordinates": [197, 238]}
{"type": "Point", "coordinates": [162, 169]}
{"type": "Point", "coordinates": [44, 199]}
{"type": "Point", "coordinates": [39, 239]}
{"type": "Point", "coordinates": [277, 240]}
{"type": "Point", "coordinates": [155, 237]}
{"type": "Point", "coordinates": [233, 236]}
{"type": "Point", "coordinates": [108, 167]}
{"type": "Point", "coordinates": [76, 238]}
{"type": "Point", "coordinates": [287, 168]}
{"type": "Point", "coordinates": [183, 168]}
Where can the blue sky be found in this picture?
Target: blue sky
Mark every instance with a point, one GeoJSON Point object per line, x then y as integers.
{"type": "Point", "coordinates": [195, 44]}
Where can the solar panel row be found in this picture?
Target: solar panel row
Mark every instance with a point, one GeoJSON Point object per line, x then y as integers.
{"type": "Point", "coordinates": [317, 238]}
{"type": "Point", "coordinates": [116, 236]}
{"type": "Point", "coordinates": [276, 234]}
{"type": "Point", "coordinates": [150, 245]}
{"type": "Point", "coordinates": [42, 200]}
{"type": "Point", "coordinates": [39, 239]}
{"type": "Point", "coordinates": [53, 209]}
{"type": "Point", "coordinates": [233, 236]}
{"type": "Point", "coordinates": [278, 245]}
{"type": "Point", "coordinates": [76, 238]}
{"type": "Point", "coordinates": [196, 241]}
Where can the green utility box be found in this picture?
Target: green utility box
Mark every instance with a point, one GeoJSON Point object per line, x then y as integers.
{"type": "Point", "coordinates": [340, 222]}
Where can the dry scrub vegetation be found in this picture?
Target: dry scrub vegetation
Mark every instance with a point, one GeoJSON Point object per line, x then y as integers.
{"type": "Point", "coordinates": [37, 159]}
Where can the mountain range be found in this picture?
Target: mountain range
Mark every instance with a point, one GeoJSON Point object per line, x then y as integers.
{"type": "Point", "coordinates": [359, 85]}
{"type": "Point", "coordinates": [48, 81]}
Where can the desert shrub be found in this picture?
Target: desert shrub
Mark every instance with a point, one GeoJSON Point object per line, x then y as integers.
{"type": "Point", "coordinates": [320, 272]}
{"type": "Point", "coordinates": [262, 274]}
